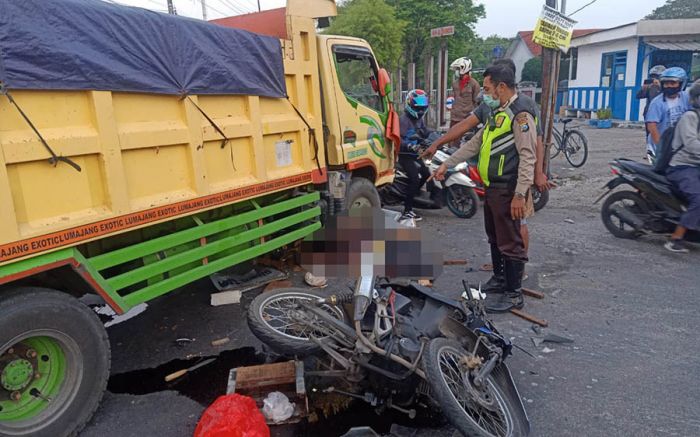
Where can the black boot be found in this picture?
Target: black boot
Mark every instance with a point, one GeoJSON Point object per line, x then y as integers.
{"type": "Point", "coordinates": [513, 296]}
{"type": "Point", "coordinates": [497, 283]}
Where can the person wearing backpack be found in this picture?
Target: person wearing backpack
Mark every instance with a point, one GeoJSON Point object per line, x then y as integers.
{"type": "Point", "coordinates": [684, 169]}
{"type": "Point", "coordinates": [667, 108]}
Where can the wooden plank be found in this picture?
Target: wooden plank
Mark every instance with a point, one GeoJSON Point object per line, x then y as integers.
{"type": "Point", "coordinates": [530, 318]}
{"type": "Point", "coordinates": [533, 293]}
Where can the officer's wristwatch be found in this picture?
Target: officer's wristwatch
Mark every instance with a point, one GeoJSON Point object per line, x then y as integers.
{"type": "Point", "coordinates": [521, 195]}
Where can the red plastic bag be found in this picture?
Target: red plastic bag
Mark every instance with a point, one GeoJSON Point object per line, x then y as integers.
{"type": "Point", "coordinates": [232, 416]}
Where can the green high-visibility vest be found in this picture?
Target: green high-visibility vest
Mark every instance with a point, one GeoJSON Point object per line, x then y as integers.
{"type": "Point", "coordinates": [498, 157]}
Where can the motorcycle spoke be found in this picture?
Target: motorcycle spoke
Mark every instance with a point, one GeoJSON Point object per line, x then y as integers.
{"type": "Point", "coordinates": [282, 316]}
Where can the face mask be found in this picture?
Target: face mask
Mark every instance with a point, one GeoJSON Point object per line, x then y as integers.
{"type": "Point", "coordinates": [457, 75]}
{"type": "Point", "coordinates": [668, 92]}
{"type": "Point", "coordinates": [491, 102]}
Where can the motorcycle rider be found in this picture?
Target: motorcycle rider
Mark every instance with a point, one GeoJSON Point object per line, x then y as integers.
{"type": "Point", "coordinates": [651, 87]}
{"type": "Point", "coordinates": [684, 169]}
{"type": "Point", "coordinates": [413, 130]}
{"type": "Point", "coordinates": [506, 148]}
{"type": "Point", "coordinates": [667, 108]}
{"type": "Point", "coordinates": [465, 90]}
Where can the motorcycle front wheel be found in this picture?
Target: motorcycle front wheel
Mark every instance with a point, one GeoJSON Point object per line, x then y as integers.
{"type": "Point", "coordinates": [462, 201]}
{"type": "Point", "coordinates": [482, 412]}
{"type": "Point", "coordinates": [274, 317]}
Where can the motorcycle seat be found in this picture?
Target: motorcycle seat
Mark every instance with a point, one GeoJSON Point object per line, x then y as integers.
{"type": "Point", "coordinates": [644, 170]}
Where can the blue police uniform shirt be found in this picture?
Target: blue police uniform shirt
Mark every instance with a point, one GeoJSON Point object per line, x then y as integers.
{"type": "Point", "coordinates": [666, 112]}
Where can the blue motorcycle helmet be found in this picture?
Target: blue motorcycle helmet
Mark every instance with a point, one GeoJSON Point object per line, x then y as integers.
{"type": "Point", "coordinates": [416, 103]}
{"type": "Point", "coordinates": [673, 81]}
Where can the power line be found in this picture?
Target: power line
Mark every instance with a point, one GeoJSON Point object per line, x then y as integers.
{"type": "Point", "coordinates": [234, 7]}
{"type": "Point", "coordinates": [582, 7]}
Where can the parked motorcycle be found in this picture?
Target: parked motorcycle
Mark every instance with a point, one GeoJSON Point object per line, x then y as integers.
{"type": "Point", "coordinates": [399, 346]}
{"type": "Point", "coordinates": [456, 191]}
{"type": "Point", "coordinates": [651, 207]}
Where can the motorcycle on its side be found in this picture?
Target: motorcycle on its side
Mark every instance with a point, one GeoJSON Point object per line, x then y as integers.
{"type": "Point", "coordinates": [651, 206]}
{"type": "Point", "coordinates": [456, 191]}
{"type": "Point", "coordinates": [399, 346]}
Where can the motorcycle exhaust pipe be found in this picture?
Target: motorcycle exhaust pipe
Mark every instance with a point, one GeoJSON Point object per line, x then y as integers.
{"type": "Point", "coordinates": [628, 217]}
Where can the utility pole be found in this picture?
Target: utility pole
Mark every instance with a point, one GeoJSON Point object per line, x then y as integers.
{"type": "Point", "coordinates": [171, 8]}
{"type": "Point", "coordinates": [259, 6]}
{"type": "Point", "coordinates": [550, 84]}
{"type": "Point", "coordinates": [204, 9]}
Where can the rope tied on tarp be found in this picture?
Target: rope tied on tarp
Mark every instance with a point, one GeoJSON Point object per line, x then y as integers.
{"type": "Point", "coordinates": [55, 159]}
{"type": "Point", "coordinates": [312, 135]}
{"type": "Point", "coordinates": [225, 139]}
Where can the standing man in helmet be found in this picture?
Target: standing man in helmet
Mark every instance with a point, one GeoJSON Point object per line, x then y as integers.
{"type": "Point", "coordinates": [667, 108]}
{"type": "Point", "coordinates": [651, 87]}
{"type": "Point", "coordinates": [506, 149]}
{"type": "Point", "coordinates": [684, 169]}
{"type": "Point", "coordinates": [465, 90]}
{"type": "Point", "coordinates": [413, 130]}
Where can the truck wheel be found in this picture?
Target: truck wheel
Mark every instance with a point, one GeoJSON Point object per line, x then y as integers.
{"type": "Point", "coordinates": [54, 363]}
{"type": "Point", "coordinates": [363, 194]}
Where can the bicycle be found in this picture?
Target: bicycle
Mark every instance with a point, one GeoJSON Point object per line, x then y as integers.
{"type": "Point", "coordinates": [572, 142]}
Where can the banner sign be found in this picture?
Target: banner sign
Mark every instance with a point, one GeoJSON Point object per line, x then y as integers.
{"type": "Point", "coordinates": [554, 30]}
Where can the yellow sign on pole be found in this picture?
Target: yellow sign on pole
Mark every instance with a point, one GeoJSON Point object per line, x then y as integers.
{"type": "Point", "coordinates": [554, 30]}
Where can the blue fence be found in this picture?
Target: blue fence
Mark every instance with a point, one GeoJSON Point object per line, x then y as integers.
{"type": "Point", "coordinates": [594, 98]}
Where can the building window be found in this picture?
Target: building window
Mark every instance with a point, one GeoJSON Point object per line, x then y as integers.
{"type": "Point", "coordinates": [571, 59]}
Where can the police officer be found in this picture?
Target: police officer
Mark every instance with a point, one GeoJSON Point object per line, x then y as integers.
{"type": "Point", "coordinates": [506, 149]}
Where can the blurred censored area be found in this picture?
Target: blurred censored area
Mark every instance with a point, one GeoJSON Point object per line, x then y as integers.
{"type": "Point", "coordinates": [367, 242]}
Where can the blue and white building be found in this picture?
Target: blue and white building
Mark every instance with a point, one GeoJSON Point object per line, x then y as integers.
{"type": "Point", "coordinates": [609, 66]}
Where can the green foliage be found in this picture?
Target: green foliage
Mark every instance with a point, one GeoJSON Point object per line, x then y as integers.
{"type": "Point", "coordinates": [374, 21]}
{"type": "Point", "coordinates": [676, 9]}
{"type": "Point", "coordinates": [604, 113]}
{"type": "Point", "coordinates": [423, 15]}
{"type": "Point", "coordinates": [532, 71]}
{"type": "Point", "coordinates": [481, 50]}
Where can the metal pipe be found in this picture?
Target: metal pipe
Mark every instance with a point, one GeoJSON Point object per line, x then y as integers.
{"type": "Point", "coordinates": [393, 357]}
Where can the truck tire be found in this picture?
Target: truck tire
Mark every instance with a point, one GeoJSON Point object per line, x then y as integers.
{"type": "Point", "coordinates": [363, 194]}
{"type": "Point", "coordinates": [51, 347]}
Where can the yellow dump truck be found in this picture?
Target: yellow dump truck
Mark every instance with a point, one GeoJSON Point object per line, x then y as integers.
{"type": "Point", "coordinates": [140, 152]}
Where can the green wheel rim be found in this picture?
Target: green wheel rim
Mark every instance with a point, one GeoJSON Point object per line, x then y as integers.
{"type": "Point", "coordinates": [48, 374]}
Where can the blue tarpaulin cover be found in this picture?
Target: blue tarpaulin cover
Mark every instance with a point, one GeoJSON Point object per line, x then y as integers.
{"type": "Point", "coordinates": [93, 45]}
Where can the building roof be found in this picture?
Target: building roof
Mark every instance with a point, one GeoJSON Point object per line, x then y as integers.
{"type": "Point", "coordinates": [536, 49]}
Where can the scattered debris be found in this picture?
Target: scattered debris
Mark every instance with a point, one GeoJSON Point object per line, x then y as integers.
{"type": "Point", "coordinates": [277, 284]}
{"type": "Point", "coordinates": [106, 310]}
{"type": "Point", "coordinates": [175, 375]}
{"type": "Point", "coordinates": [536, 341]}
{"type": "Point", "coordinates": [554, 338]}
{"type": "Point", "coordinates": [182, 342]}
{"type": "Point", "coordinates": [425, 282]}
{"type": "Point", "coordinates": [455, 262]}
{"type": "Point", "coordinates": [570, 221]}
{"type": "Point", "coordinates": [486, 268]}
{"type": "Point", "coordinates": [530, 318]}
{"type": "Point", "coordinates": [255, 278]}
{"type": "Point", "coordinates": [315, 281]}
{"type": "Point", "coordinates": [225, 298]}
{"type": "Point", "coordinates": [536, 329]}
{"type": "Point", "coordinates": [220, 342]}
{"type": "Point", "coordinates": [533, 293]}
{"type": "Point", "coordinates": [547, 350]}
{"type": "Point", "coordinates": [277, 408]}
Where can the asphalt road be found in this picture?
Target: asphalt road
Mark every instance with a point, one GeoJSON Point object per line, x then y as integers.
{"type": "Point", "coordinates": [629, 306]}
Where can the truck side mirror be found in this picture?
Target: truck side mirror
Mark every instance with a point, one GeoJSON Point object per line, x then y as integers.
{"type": "Point", "coordinates": [384, 83]}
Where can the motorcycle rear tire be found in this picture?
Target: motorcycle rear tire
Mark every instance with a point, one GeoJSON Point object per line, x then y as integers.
{"type": "Point", "coordinates": [472, 198]}
{"type": "Point", "coordinates": [606, 213]}
{"type": "Point", "coordinates": [451, 407]}
{"type": "Point", "coordinates": [539, 198]}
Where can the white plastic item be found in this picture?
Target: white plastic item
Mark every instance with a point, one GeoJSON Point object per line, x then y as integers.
{"type": "Point", "coordinates": [277, 408]}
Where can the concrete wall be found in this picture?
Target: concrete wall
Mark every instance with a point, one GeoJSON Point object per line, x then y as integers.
{"type": "Point", "coordinates": [590, 58]}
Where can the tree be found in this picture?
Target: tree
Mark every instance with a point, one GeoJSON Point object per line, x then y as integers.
{"type": "Point", "coordinates": [532, 71]}
{"type": "Point", "coordinates": [374, 21]}
{"type": "Point", "coordinates": [423, 15]}
{"type": "Point", "coordinates": [676, 9]}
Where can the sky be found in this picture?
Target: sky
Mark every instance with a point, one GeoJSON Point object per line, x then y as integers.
{"type": "Point", "coordinates": [503, 17]}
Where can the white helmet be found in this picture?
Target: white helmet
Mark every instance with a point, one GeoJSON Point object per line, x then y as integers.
{"type": "Point", "coordinates": [461, 66]}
